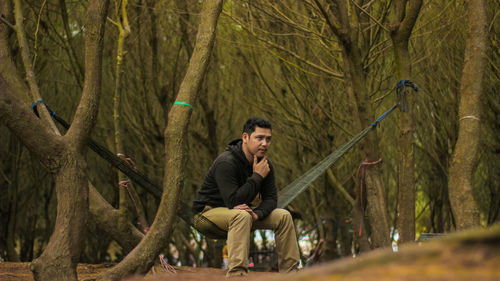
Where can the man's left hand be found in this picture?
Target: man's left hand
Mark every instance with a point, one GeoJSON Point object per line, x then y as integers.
{"type": "Point", "coordinates": [245, 207]}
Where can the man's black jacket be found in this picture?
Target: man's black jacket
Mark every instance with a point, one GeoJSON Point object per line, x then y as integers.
{"type": "Point", "coordinates": [230, 181]}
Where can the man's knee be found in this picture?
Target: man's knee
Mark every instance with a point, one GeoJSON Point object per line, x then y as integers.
{"type": "Point", "coordinates": [241, 216]}
{"type": "Point", "coordinates": [283, 214]}
{"type": "Point", "coordinates": [281, 218]}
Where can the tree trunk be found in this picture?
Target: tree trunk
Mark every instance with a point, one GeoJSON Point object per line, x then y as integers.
{"type": "Point", "coordinates": [50, 149]}
{"type": "Point", "coordinates": [62, 155]}
{"type": "Point", "coordinates": [355, 81]}
{"type": "Point", "coordinates": [376, 207]}
{"type": "Point", "coordinates": [403, 22]}
{"type": "Point", "coordinates": [59, 259]}
{"type": "Point", "coordinates": [358, 220]}
{"type": "Point", "coordinates": [105, 216]}
{"type": "Point", "coordinates": [143, 256]}
{"type": "Point", "coordinates": [465, 155]}
{"type": "Point", "coordinates": [12, 191]}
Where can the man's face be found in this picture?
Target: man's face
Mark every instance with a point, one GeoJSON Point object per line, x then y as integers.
{"type": "Point", "coordinates": [258, 142]}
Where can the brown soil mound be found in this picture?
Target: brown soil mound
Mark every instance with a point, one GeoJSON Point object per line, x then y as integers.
{"type": "Point", "coordinates": [463, 257]}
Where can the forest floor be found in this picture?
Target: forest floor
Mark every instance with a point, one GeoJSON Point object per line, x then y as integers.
{"type": "Point", "coordinates": [468, 256]}
{"type": "Point", "coordinates": [19, 271]}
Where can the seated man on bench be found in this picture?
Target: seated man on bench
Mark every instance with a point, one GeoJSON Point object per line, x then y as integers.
{"type": "Point", "coordinates": [224, 202]}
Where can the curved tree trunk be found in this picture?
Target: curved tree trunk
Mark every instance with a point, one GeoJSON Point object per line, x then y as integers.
{"type": "Point", "coordinates": [143, 256]}
{"type": "Point", "coordinates": [401, 28]}
{"type": "Point", "coordinates": [106, 218]}
{"type": "Point", "coordinates": [465, 155]}
{"type": "Point", "coordinates": [58, 261]}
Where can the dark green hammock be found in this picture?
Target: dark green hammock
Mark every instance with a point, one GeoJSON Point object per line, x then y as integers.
{"type": "Point", "coordinates": [302, 183]}
{"type": "Point", "coordinates": [286, 195]}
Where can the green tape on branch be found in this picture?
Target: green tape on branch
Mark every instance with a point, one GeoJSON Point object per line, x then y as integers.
{"type": "Point", "coordinates": [182, 103]}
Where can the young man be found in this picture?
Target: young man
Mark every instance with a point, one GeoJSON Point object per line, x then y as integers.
{"type": "Point", "coordinates": [237, 177]}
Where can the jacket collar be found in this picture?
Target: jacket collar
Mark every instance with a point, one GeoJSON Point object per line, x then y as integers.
{"type": "Point", "coordinates": [235, 148]}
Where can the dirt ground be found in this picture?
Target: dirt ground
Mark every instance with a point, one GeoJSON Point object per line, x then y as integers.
{"type": "Point", "coordinates": [464, 257]}
{"type": "Point", "coordinates": [12, 271]}
{"type": "Point", "coordinates": [474, 263]}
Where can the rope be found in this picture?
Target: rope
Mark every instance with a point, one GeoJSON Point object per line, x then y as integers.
{"type": "Point", "coordinates": [35, 110]}
{"type": "Point", "coordinates": [470, 117]}
{"type": "Point", "coordinates": [126, 165]}
{"type": "Point", "coordinates": [402, 92]}
{"type": "Point", "coordinates": [183, 103]}
{"type": "Point", "coordinates": [167, 267]}
{"type": "Point", "coordinates": [144, 224]}
{"type": "Point", "coordinates": [114, 160]}
{"type": "Point", "coordinates": [142, 220]}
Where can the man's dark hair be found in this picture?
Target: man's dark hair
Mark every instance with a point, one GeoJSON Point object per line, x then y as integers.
{"type": "Point", "coordinates": [253, 122]}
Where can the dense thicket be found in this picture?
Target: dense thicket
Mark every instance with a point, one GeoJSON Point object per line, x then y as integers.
{"type": "Point", "coordinates": [276, 59]}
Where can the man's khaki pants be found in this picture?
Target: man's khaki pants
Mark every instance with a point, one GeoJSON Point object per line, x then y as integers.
{"type": "Point", "coordinates": [239, 223]}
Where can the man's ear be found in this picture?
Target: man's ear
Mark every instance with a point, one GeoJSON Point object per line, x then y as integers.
{"type": "Point", "coordinates": [245, 137]}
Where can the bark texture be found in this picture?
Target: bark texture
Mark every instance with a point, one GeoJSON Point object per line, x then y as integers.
{"type": "Point", "coordinates": [142, 257]}
{"type": "Point", "coordinates": [405, 14]}
{"type": "Point", "coordinates": [466, 153]}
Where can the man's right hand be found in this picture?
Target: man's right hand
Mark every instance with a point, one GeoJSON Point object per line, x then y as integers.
{"type": "Point", "coordinates": [262, 167]}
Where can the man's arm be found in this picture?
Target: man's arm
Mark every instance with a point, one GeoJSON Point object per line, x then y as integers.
{"type": "Point", "coordinates": [226, 176]}
{"type": "Point", "coordinates": [269, 195]}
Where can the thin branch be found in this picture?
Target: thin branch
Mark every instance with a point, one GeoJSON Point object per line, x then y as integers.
{"type": "Point", "coordinates": [113, 22]}
{"type": "Point", "coordinates": [327, 19]}
{"type": "Point", "coordinates": [5, 177]}
{"type": "Point", "coordinates": [289, 22]}
{"type": "Point", "coordinates": [30, 74]}
{"type": "Point", "coordinates": [70, 49]}
{"type": "Point", "coordinates": [279, 47]}
{"type": "Point", "coordinates": [337, 185]}
{"type": "Point", "coordinates": [371, 17]}
{"type": "Point", "coordinates": [35, 48]}
{"type": "Point", "coordinates": [4, 20]}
